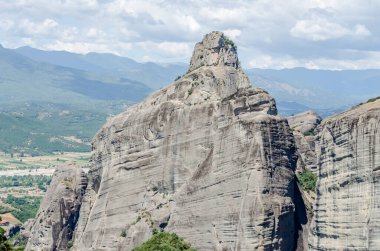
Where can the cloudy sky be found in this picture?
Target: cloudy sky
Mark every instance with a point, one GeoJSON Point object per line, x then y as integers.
{"type": "Point", "coordinates": [324, 34]}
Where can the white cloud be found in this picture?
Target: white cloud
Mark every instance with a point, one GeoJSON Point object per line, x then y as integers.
{"type": "Point", "coordinates": [321, 29]}
{"type": "Point", "coordinates": [6, 24]}
{"type": "Point", "coordinates": [95, 33]}
{"type": "Point", "coordinates": [191, 23]}
{"type": "Point", "coordinates": [283, 33]}
{"type": "Point", "coordinates": [174, 49]}
{"type": "Point", "coordinates": [223, 14]}
{"type": "Point", "coordinates": [29, 41]}
{"type": "Point", "coordinates": [233, 34]}
{"type": "Point", "coordinates": [269, 62]}
{"type": "Point", "coordinates": [361, 30]}
{"type": "Point", "coordinates": [84, 47]}
{"type": "Point", "coordinates": [37, 28]}
{"type": "Point", "coordinates": [285, 61]}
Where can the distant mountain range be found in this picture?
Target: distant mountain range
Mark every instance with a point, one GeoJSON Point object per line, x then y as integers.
{"type": "Point", "coordinates": [151, 74]}
{"type": "Point", "coordinates": [41, 90]}
{"type": "Point", "coordinates": [323, 91]}
{"type": "Point", "coordinates": [294, 89]}
{"type": "Point", "coordinates": [56, 101]}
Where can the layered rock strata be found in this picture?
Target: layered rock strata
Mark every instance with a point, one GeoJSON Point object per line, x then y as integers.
{"type": "Point", "coordinates": [59, 211]}
{"type": "Point", "coordinates": [347, 208]}
{"type": "Point", "coordinates": [206, 157]}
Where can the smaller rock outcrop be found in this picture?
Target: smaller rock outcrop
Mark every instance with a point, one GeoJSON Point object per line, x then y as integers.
{"type": "Point", "coordinates": [304, 122]}
{"type": "Point", "coordinates": [214, 50]}
{"type": "Point", "coordinates": [59, 211]}
{"type": "Point", "coordinates": [303, 126]}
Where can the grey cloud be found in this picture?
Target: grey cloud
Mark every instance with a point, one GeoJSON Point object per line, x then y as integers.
{"type": "Point", "coordinates": [341, 31]}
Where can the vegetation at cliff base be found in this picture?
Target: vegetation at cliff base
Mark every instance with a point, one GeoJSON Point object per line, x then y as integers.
{"type": "Point", "coordinates": [308, 180]}
{"type": "Point", "coordinates": [23, 208]}
{"type": "Point", "coordinates": [164, 241]}
{"type": "Point", "coordinates": [4, 244]}
{"type": "Point", "coordinates": [40, 181]}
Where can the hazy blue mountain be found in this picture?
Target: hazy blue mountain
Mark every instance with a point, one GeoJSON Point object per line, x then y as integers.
{"type": "Point", "coordinates": [56, 100]}
{"type": "Point", "coordinates": [61, 58]}
{"type": "Point", "coordinates": [46, 107]}
{"type": "Point", "coordinates": [23, 79]}
{"type": "Point", "coordinates": [152, 74]}
{"type": "Point", "coordinates": [324, 91]}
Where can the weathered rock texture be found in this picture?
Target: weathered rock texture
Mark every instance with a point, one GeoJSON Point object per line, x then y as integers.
{"type": "Point", "coordinates": [206, 157]}
{"type": "Point", "coordinates": [303, 126]}
{"type": "Point", "coordinates": [347, 208]}
{"type": "Point", "coordinates": [305, 121]}
{"type": "Point", "coordinates": [59, 210]}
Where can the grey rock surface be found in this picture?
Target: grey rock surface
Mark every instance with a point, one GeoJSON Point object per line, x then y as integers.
{"type": "Point", "coordinates": [214, 50]}
{"type": "Point", "coordinates": [59, 211]}
{"type": "Point", "coordinates": [206, 157]}
{"type": "Point", "coordinates": [305, 121]}
{"type": "Point", "coordinates": [347, 208]}
{"type": "Point", "coordinates": [303, 126]}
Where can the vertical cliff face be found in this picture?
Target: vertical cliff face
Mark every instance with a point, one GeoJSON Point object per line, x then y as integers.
{"type": "Point", "coordinates": [59, 211]}
{"type": "Point", "coordinates": [205, 157]}
{"type": "Point", "coordinates": [347, 208]}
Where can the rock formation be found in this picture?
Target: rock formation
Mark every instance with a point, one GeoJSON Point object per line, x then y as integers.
{"type": "Point", "coordinates": [304, 122]}
{"type": "Point", "coordinates": [59, 211]}
{"type": "Point", "coordinates": [347, 208]}
{"type": "Point", "coordinates": [303, 126]}
{"type": "Point", "coordinates": [206, 157]}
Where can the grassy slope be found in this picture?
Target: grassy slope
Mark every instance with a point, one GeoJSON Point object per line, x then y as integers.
{"type": "Point", "coordinates": [40, 104]}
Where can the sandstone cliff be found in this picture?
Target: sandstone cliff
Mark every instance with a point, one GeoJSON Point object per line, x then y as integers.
{"type": "Point", "coordinates": [206, 157]}
{"type": "Point", "coordinates": [59, 211]}
{"type": "Point", "coordinates": [303, 126]}
{"type": "Point", "coordinates": [347, 208]}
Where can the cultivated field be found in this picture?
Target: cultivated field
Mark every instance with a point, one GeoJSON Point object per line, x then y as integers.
{"type": "Point", "coordinates": [39, 165]}
{"type": "Point", "coordinates": [24, 180]}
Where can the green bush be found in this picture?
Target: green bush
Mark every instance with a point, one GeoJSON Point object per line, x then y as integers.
{"type": "Point", "coordinates": [308, 180]}
{"type": "Point", "coordinates": [70, 244]}
{"type": "Point", "coordinates": [41, 181]}
{"type": "Point", "coordinates": [372, 99]}
{"type": "Point", "coordinates": [4, 243]}
{"type": "Point", "coordinates": [163, 241]}
{"type": "Point", "coordinates": [309, 133]}
{"type": "Point", "coordinates": [229, 43]}
{"type": "Point", "coordinates": [123, 234]}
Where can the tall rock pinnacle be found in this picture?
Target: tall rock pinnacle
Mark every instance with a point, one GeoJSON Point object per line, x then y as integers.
{"type": "Point", "coordinates": [205, 157]}
{"type": "Point", "coordinates": [214, 50]}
